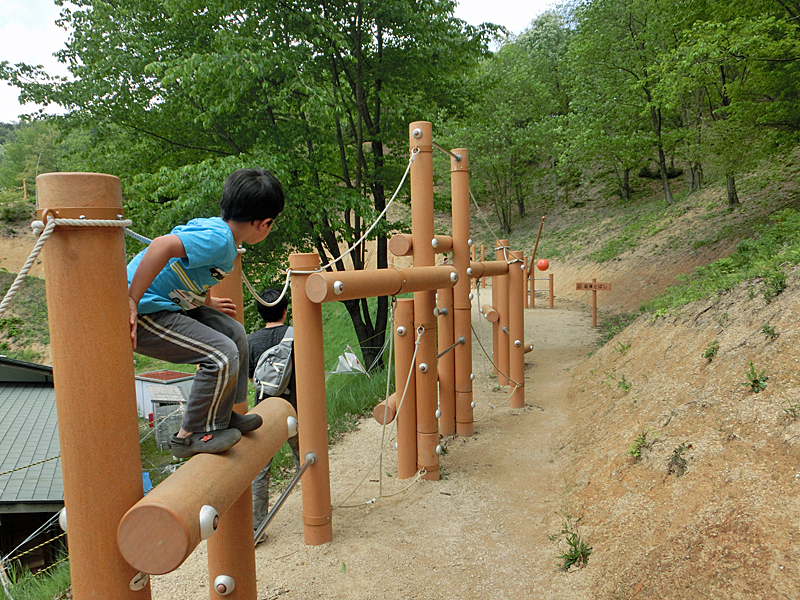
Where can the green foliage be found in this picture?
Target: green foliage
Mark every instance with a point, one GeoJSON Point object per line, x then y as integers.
{"type": "Point", "coordinates": [624, 384]}
{"type": "Point", "coordinates": [711, 351]}
{"type": "Point", "coordinates": [611, 325]}
{"type": "Point", "coordinates": [677, 461]}
{"type": "Point", "coordinates": [763, 256]}
{"type": "Point", "coordinates": [640, 443]}
{"type": "Point", "coordinates": [577, 551]}
{"type": "Point", "coordinates": [49, 584]}
{"type": "Point", "coordinates": [755, 381]}
{"type": "Point", "coordinates": [623, 347]}
{"type": "Point", "coordinates": [769, 331]}
{"type": "Point", "coordinates": [26, 321]}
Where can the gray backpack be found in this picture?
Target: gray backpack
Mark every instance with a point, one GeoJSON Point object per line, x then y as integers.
{"type": "Point", "coordinates": [274, 367]}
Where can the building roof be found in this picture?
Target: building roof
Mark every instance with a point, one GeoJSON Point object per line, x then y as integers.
{"type": "Point", "coordinates": [28, 434]}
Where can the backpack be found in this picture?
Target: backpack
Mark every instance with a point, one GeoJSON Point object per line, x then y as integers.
{"type": "Point", "coordinates": [274, 367]}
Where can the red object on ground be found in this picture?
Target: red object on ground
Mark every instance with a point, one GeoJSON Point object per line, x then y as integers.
{"type": "Point", "coordinates": [542, 264]}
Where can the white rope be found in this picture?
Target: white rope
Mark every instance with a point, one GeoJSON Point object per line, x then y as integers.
{"type": "Point", "coordinates": [46, 231]}
{"type": "Point", "coordinates": [380, 216]}
{"type": "Point", "coordinates": [138, 236]}
{"type": "Point", "coordinates": [420, 331]}
{"type": "Point", "coordinates": [353, 247]}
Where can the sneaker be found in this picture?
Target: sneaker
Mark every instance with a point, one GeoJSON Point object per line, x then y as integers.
{"type": "Point", "coordinates": [211, 442]}
{"type": "Point", "coordinates": [245, 423]}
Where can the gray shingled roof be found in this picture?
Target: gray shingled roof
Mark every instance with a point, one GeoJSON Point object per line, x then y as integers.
{"type": "Point", "coordinates": [28, 434]}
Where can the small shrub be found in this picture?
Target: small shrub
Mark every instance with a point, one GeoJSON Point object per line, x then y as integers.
{"type": "Point", "coordinates": [769, 332]}
{"type": "Point", "coordinates": [792, 409]}
{"type": "Point", "coordinates": [677, 462]}
{"type": "Point", "coordinates": [622, 347]}
{"type": "Point", "coordinates": [624, 384]}
{"type": "Point", "coordinates": [640, 443]}
{"type": "Point", "coordinates": [710, 352]}
{"type": "Point", "coordinates": [772, 285]}
{"type": "Point", "coordinates": [755, 381]}
{"type": "Point", "coordinates": [578, 551]}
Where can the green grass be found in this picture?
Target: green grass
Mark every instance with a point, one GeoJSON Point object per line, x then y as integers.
{"type": "Point", "coordinates": [761, 258]}
{"type": "Point", "coordinates": [26, 321]}
{"type": "Point", "coordinates": [49, 584]}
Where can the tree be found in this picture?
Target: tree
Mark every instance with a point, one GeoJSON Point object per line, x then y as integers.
{"type": "Point", "coordinates": [319, 92]}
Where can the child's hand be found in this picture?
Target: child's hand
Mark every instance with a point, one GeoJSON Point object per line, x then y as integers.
{"type": "Point", "coordinates": [223, 305]}
{"type": "Point", "coordinates": [134, 307]}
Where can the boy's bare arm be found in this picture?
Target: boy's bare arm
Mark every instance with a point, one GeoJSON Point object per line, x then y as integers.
{"type": "Point", "coordinates": [158, 254]}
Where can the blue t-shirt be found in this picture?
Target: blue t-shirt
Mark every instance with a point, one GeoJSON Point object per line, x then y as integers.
{"type": "Point", "coordinates": [183, 282]}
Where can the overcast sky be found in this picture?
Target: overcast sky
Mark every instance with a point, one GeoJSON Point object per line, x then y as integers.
{"type": "Point", "coordinates": [28, 34]}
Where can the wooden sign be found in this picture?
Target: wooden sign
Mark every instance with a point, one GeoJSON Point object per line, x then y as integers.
{"type": "Point", "coordinates": [593, 286]}
{"type": "Point", "coordinates": [590, 286]}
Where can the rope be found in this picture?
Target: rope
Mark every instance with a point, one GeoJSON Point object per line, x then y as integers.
{"type": "Point", "coordinates": [490, 359]}
{"type": "Point", "coordinates": [29, 550]}
{"type": "Point", "coordinates": [30, 465]}
{"type": "Point", "coordinates": [480, 212]}
{"type": "Point", "coordinates": [47, 524]}
{"type": "Point", "coordinates": [137, 236]}
{"type": "Point", "coordinates": [420, 331]}
{"type": "Point", "coordinates": [46, 231]}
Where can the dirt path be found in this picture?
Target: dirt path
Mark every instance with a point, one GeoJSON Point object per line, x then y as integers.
{"type": "Point", "coordinates": [480, 532]}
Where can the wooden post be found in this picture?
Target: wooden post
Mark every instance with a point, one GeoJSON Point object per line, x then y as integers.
{"type": "Point", "coordinates": [88, 313]}
{"type": "Point", "coordinates": [447, 363]}
{"type": "Point", "coordinates": [500, 293]}
{"type": "Point", "coordinates": [421, 139]}
{"type": "Point", "coordinates": [459, 178]}
{"type": "Point", "coordinates": [405, 383]}
{"type": "Point", "coordinates": [552, 295]}
{"type": "Point", "coordinates": [516, 329]}
{"type": "Point", "coordinates": [311, 412]}
{"type": "Point", "coordinates": [594, 286]}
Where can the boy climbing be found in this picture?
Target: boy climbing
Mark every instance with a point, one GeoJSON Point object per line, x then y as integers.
{"type": "Point", "coordinates": [173, 318]}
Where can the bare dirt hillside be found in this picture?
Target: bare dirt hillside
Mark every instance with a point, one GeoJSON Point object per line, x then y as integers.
{"type": "Point", "coordinates": [709, 509]}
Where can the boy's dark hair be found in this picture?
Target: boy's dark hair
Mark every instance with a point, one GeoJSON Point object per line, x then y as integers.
{"type": "Point", "coordinates": [271, 314]}
{"type": "Point", "coordinates": [251, 195]}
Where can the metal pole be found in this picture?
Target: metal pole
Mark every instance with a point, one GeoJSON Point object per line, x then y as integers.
{"type": "Point", "coordinates": [310, 459]}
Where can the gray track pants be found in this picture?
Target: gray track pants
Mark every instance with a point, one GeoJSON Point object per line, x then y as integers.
{"type": "Point", "coordinates": [213, 341]}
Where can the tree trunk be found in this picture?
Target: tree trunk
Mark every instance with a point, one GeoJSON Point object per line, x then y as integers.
{"type": "Point", "coordinates": [655, 116]}
{"type": "Point", "coordinates": [733, 197]}
{"type": "Point", "coordinates": [696, 170]}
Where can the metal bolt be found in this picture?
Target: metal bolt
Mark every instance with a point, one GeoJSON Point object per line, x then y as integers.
{"type": "Point", "coordinates": [436, 312]}
{"type": "Point", "coordinates": [417, 133]}
{"type": "Point", "coordinates": [472, 376]}
{"type": "Point", "coordinates": [471, 296]}
{"type": "Point", "coordinates": [517, 343]}
{"type": "Point", "coordinates": [209, 521]}
{"type": "Point", "coordinates": [469, 242]}
{"type": "Point", "coordinates": [453, 277]}
{"type": "Point", "coordinates": [435, 243]}
{"type": "Point", "coordinates": [443, 311]}
{"type": "Point", "coordinates": [469, 271]}
{"type": "Point", "coordinates": [401, 331]}
{"type": "Point", "coordinates": [439, 449]}
{"type": "Point", "coordinates": [423, 367]}
{"type": "Point", "coordinates": [438, 413]}
{"type": "Point", "coordinates": [338, 287]}
{"type": "Point", "coordinates": [472, 405]}
{"type": "Point", "coordinates": [224, 585]}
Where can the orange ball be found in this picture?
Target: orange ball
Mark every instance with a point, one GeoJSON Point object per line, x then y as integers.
{"type": "Point", "coordinates": [542, 264]}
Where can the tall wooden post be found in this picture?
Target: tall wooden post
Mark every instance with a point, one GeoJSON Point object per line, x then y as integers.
{"type": "Point", "coordinates": [421, 139]}
{"type": "Point", "coordinates": [459, 183]}
{"type": "Point", "coordinates": [447, 363]}
{"type": "Point", "coordinates": [230, 549]}
{"type": "Point", "coordinates": [87, 300]}
{"type": "Point", "coordinates": [405, 388]}
{"type": "Point", "coordinates": [500, 296]}
{"type": "Point", "coordinates": [312, 416]}
{"type": "Point", "coordinates": [594, 303]}
{"type": "Point", "coordinates": [516, 329]}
